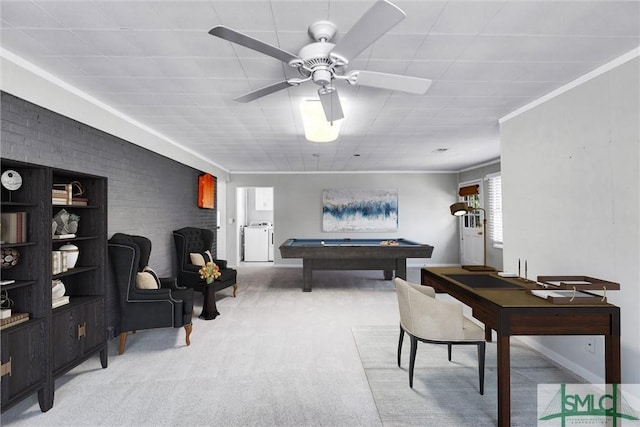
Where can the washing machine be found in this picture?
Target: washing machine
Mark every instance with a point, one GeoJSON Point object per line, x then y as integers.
{"type": "Point", "coordinates": [258, 242]}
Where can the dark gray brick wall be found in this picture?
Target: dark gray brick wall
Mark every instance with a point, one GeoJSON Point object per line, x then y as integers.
{"type": "Point", "coordinates": [148, 194]}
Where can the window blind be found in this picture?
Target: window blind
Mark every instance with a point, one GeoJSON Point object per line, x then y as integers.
{"type": "Point", "coordinates": [495, 207]}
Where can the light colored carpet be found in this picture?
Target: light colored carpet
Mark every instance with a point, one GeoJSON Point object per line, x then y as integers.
{"type": "Point", "coordinates": [276, 356]}
{"type": "Point", "coordinates": [446, 393]}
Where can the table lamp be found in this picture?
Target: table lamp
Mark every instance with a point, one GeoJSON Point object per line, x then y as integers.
{"type": "Point", "coordinates": [461, 208]}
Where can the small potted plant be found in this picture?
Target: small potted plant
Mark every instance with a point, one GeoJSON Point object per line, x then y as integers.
{"type": "Point", "coordinates": [209, 271]}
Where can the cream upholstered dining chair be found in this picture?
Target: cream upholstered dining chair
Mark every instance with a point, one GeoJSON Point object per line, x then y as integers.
{"type": "Point", "coordinates": [427, 319]}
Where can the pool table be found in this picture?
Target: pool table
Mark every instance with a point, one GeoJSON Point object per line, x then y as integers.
{"type": "Point", "coordinates": [354, 254]}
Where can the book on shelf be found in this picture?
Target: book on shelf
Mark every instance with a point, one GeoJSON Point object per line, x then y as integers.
{"type": "Point", "coordinates": [13, 320]}
{"type": "Point", "coordinates": [80, 201]}
{"type": "Point", "coordinates": [60, 301]}
{"type": "Point", "coordinates": [75, 201]}
{"type": "Point", "coordinates": [7, 282]}
{"type": "Point", "coordinates": [14, 227]}
{"type": "Point", "coordinates": [58, 200]}
{"type": "Point", "coordinates": [58, 262]}
{"type": "Point", "coordinates": [67, 195]}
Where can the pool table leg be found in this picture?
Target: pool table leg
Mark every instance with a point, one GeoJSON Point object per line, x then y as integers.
{"type": "Point", "coordinates": [307, 269]}
{"type": "Point", "coordinates": [401, 270]}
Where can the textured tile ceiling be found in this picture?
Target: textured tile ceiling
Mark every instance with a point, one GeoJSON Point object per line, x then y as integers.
{"type": "Point", "coordinates": [155, 62]}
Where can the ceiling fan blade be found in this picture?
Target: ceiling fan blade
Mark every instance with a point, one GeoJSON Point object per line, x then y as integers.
{"type": "Point", "coordinates": [237, 37]}
{"type": "Point", "coordinates": [379, 19]}
{"type": "Point", "coordinates": [247, 97]}
{"type": "Point", "coordinates": [398, 82]}
{"type": "Point", "coordinates": [331, 104]}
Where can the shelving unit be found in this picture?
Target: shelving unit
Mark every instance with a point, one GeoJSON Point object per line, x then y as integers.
{"type": "Point", "coordinates": [53, 341]}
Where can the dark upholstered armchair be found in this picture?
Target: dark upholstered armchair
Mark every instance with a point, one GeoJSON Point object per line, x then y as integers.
{"type": "Point", "coordinates": [146, 301]}
{"type": "Point", "coordinates": [192, 240]}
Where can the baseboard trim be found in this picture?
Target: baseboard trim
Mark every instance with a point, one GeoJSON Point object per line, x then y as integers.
{"type": "Point", "coordinates": [574, 368]}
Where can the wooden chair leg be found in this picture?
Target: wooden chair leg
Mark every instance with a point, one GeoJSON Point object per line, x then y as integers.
{"type": "Point", "coordinates": [188, 329]}
{"type": "Point", "coordinates": [412, 358]}
{"type": "Point", "coordinates": [235, 288]}
{"type": "Point", "coordinates": [123, 342]}
{"type": "Point", "coordinates": [481, 352]}
{"type": "Point", "coordinates": [400, 344]}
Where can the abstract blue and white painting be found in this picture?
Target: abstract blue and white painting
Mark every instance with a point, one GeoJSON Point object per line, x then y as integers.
{"type": "Point", "coordinates": [359, 210]}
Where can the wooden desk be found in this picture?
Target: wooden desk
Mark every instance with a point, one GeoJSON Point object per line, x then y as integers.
{"type": "Point", "coordinates": [513, 311]}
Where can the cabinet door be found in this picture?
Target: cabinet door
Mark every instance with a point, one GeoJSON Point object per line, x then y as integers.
{"type": "Point", "coordinates": [93, 322]}
{"type": "Point", "coordinates": [66, 346]}
{"type": "Point", "coordinates": [23, 350]}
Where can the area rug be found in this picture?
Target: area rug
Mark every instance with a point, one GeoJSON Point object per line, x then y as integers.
{"type": "Point", "coordinates": [446, 393]}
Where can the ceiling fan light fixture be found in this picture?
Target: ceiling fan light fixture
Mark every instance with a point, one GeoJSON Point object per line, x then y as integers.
{"type": "Point", "coordinates": [316, 127]}
{"type": "Point", "coordinates": [324, 62]}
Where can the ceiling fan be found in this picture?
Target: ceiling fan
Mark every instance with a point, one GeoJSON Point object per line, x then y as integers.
{"type": "Point", "coordinates": [323, 62]}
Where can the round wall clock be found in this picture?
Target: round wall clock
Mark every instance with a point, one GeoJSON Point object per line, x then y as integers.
{"type": "Point", "coordinates": [11, 180]}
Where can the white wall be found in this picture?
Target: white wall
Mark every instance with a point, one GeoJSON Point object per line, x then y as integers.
{"type": "Point", "coordinates": [254, 215]}
{"type": "Point", "coordinates": [221, 211]}
{"type": "Point", "coordinates": [570, 176]}
{"type": "Point", "coordinates": [423, 208]}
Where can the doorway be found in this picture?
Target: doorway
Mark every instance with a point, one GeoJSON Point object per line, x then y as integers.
{"type": "Point", "coordinates": [255, 225]}
{"type": "Point", "coordinates": [471, 230]}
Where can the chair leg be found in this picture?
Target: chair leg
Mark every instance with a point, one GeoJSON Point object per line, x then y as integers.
{"type": "Point", "coordinates": [235, 288]}
{"type": "Point", "coordinates": [412, 358]}
{"type": "Point", "coordinates": [123, 342]}
{"type": "Point", "coordinates": [400, 344]}
{"type": "Point", "coordinates": [449, 350]}
{"type": "Point", "coordinates": [188, 329]}
{"type": "Point", "coordinates": [481, 351]}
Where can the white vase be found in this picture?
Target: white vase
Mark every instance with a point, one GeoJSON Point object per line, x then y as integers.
{"type": "Point", "coordinates": [71, 252]}
{"type": "Point", "coordinates": [57, 289]}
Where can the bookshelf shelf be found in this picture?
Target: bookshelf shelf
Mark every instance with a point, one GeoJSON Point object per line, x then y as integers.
{"type": "Point", "coordinates": [55, 206]}
{"type": "Point", "coordinates": [73, 239]}
{"type": "Point", "coordinates": [17, 245]}
{"type": "Point", "coordinates": [28, 348]}
{"type": "Point", "coordinates": [76, 270]}
{"type": "Point", "coordinates": [9, 204]}
{"type": "Point", "coordinates": [17, 284]}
